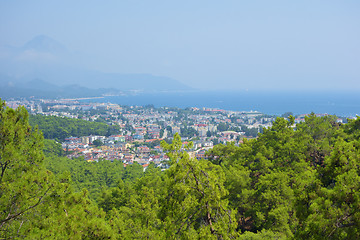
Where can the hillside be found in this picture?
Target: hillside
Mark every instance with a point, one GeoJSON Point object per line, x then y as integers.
{"type": "Point", "coordinates": [59, 128]}
{"type": "Point", "coordinates": [46, 59]}
{"type": "Point", "coordinates": [289, 183]}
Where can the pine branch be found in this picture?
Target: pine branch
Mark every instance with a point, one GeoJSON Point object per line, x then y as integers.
{"type": "Point", "coordinates": [10, 217]}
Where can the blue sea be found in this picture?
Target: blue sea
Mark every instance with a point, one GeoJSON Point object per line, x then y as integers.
{"type": "Point", "coordinates": [344, 104]}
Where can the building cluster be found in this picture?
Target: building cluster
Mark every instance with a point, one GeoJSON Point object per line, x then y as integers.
{"type": "Point", "coordinates": [114, 148]}
{"type": "Point", "coordinates": [142, 128]}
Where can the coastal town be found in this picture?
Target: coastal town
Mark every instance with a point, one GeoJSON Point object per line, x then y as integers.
{"type": "Point", "coordinates": [142, 128]}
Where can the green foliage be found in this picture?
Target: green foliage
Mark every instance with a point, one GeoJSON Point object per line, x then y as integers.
{"type": "Point", "coordinates": [250, 132]}
{"type": "Point", "coordinates": [93, 176]}
{"type": "Point", "coordinates": [133, 172]}
{"type": "Point", "coordinates": [287, 114]}
{"type": "Point", "coordinates": [51, 147]}
{"type": "Point", "coordinates": [222, 127]}
{"type": "Point", "coordinates": [136, 215]}
{"type": "Point", "coordinates": [295, 183]}
{"type": "Point", "coordinates": [98, 143]}
{"type": "Point", "coordinates": [59, 128]}
{"type": "Point", "coordinates": [194, 203]}
{"type": "Point", "coordinates": [175, 150]}
{"type": "Point", "coordinates": [289, 183]}
{"type": "Point", "coordinates": [23, 184]}
{"type": "Point", "coordinates": [188, 132]}
{"type": "Point", "coordinates": [33, 204]}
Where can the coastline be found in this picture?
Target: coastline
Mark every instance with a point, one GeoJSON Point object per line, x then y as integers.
{"type": "Point", "coordinates": [76, 99]}
{"type": "Point", "coordinates": [343, 104]}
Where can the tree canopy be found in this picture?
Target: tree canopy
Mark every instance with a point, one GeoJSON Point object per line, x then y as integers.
{"type": "Point", "coordinates": [59, 128]}
{"type": "Point", "coordinates": [34, 204]}
{"type": "Point", "coordinates": [290, 182]}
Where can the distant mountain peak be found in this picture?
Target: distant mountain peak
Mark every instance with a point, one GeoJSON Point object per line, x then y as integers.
{"type": "Point", "coordinates": [40, 84]}
{"type": "Point", "coordinates": [43, 43]}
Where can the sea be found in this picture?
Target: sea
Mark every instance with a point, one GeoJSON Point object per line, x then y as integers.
{"type": "Point", "coordinates": [342, 104]}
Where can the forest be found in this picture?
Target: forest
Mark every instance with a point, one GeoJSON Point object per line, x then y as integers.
{"type": "Point", "coordinates": [59, 128]}
{"type": "Point", "coordinates": [292, 182]}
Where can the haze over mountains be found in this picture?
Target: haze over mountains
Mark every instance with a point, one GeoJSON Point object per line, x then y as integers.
{"type": "Point", "coordinates": [44, 67]}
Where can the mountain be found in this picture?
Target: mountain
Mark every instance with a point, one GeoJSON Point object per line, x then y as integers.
{"type": "Point", "coordinates": [40, 84]}
{"type": "Point", "coordinates": [44, 43]}
{"type": "Point", "coordinates": [47, 59]}
{"type": "Point", "coordinates": [41, 89]}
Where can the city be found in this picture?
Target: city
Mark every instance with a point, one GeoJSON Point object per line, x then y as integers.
{"type": "Point", "coordinates": [142, 128]}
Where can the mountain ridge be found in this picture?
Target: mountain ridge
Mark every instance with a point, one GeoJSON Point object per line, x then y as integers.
{"type": "Point", "coordinates": [45, 58]}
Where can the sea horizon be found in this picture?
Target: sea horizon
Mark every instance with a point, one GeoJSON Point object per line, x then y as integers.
{"type": "Point", "coordinates": [340, 103]}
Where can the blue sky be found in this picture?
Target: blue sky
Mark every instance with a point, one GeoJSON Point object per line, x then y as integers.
{"type": "Point", "coordinates": [286, 45]}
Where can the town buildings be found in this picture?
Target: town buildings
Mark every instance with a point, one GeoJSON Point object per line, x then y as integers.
{"type": "Point", "coordinates": [143, 128]}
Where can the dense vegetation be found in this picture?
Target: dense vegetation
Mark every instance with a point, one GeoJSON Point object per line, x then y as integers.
{"type": "Point", "coordinates": [94, 176]}
{"type": "Point", "coordinates": [60, 128]}
{"type": "Point", "coordinates": [300, 183]}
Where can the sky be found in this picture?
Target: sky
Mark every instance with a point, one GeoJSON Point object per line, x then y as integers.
{"type": "Point", "coordinates": [210, 45]}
